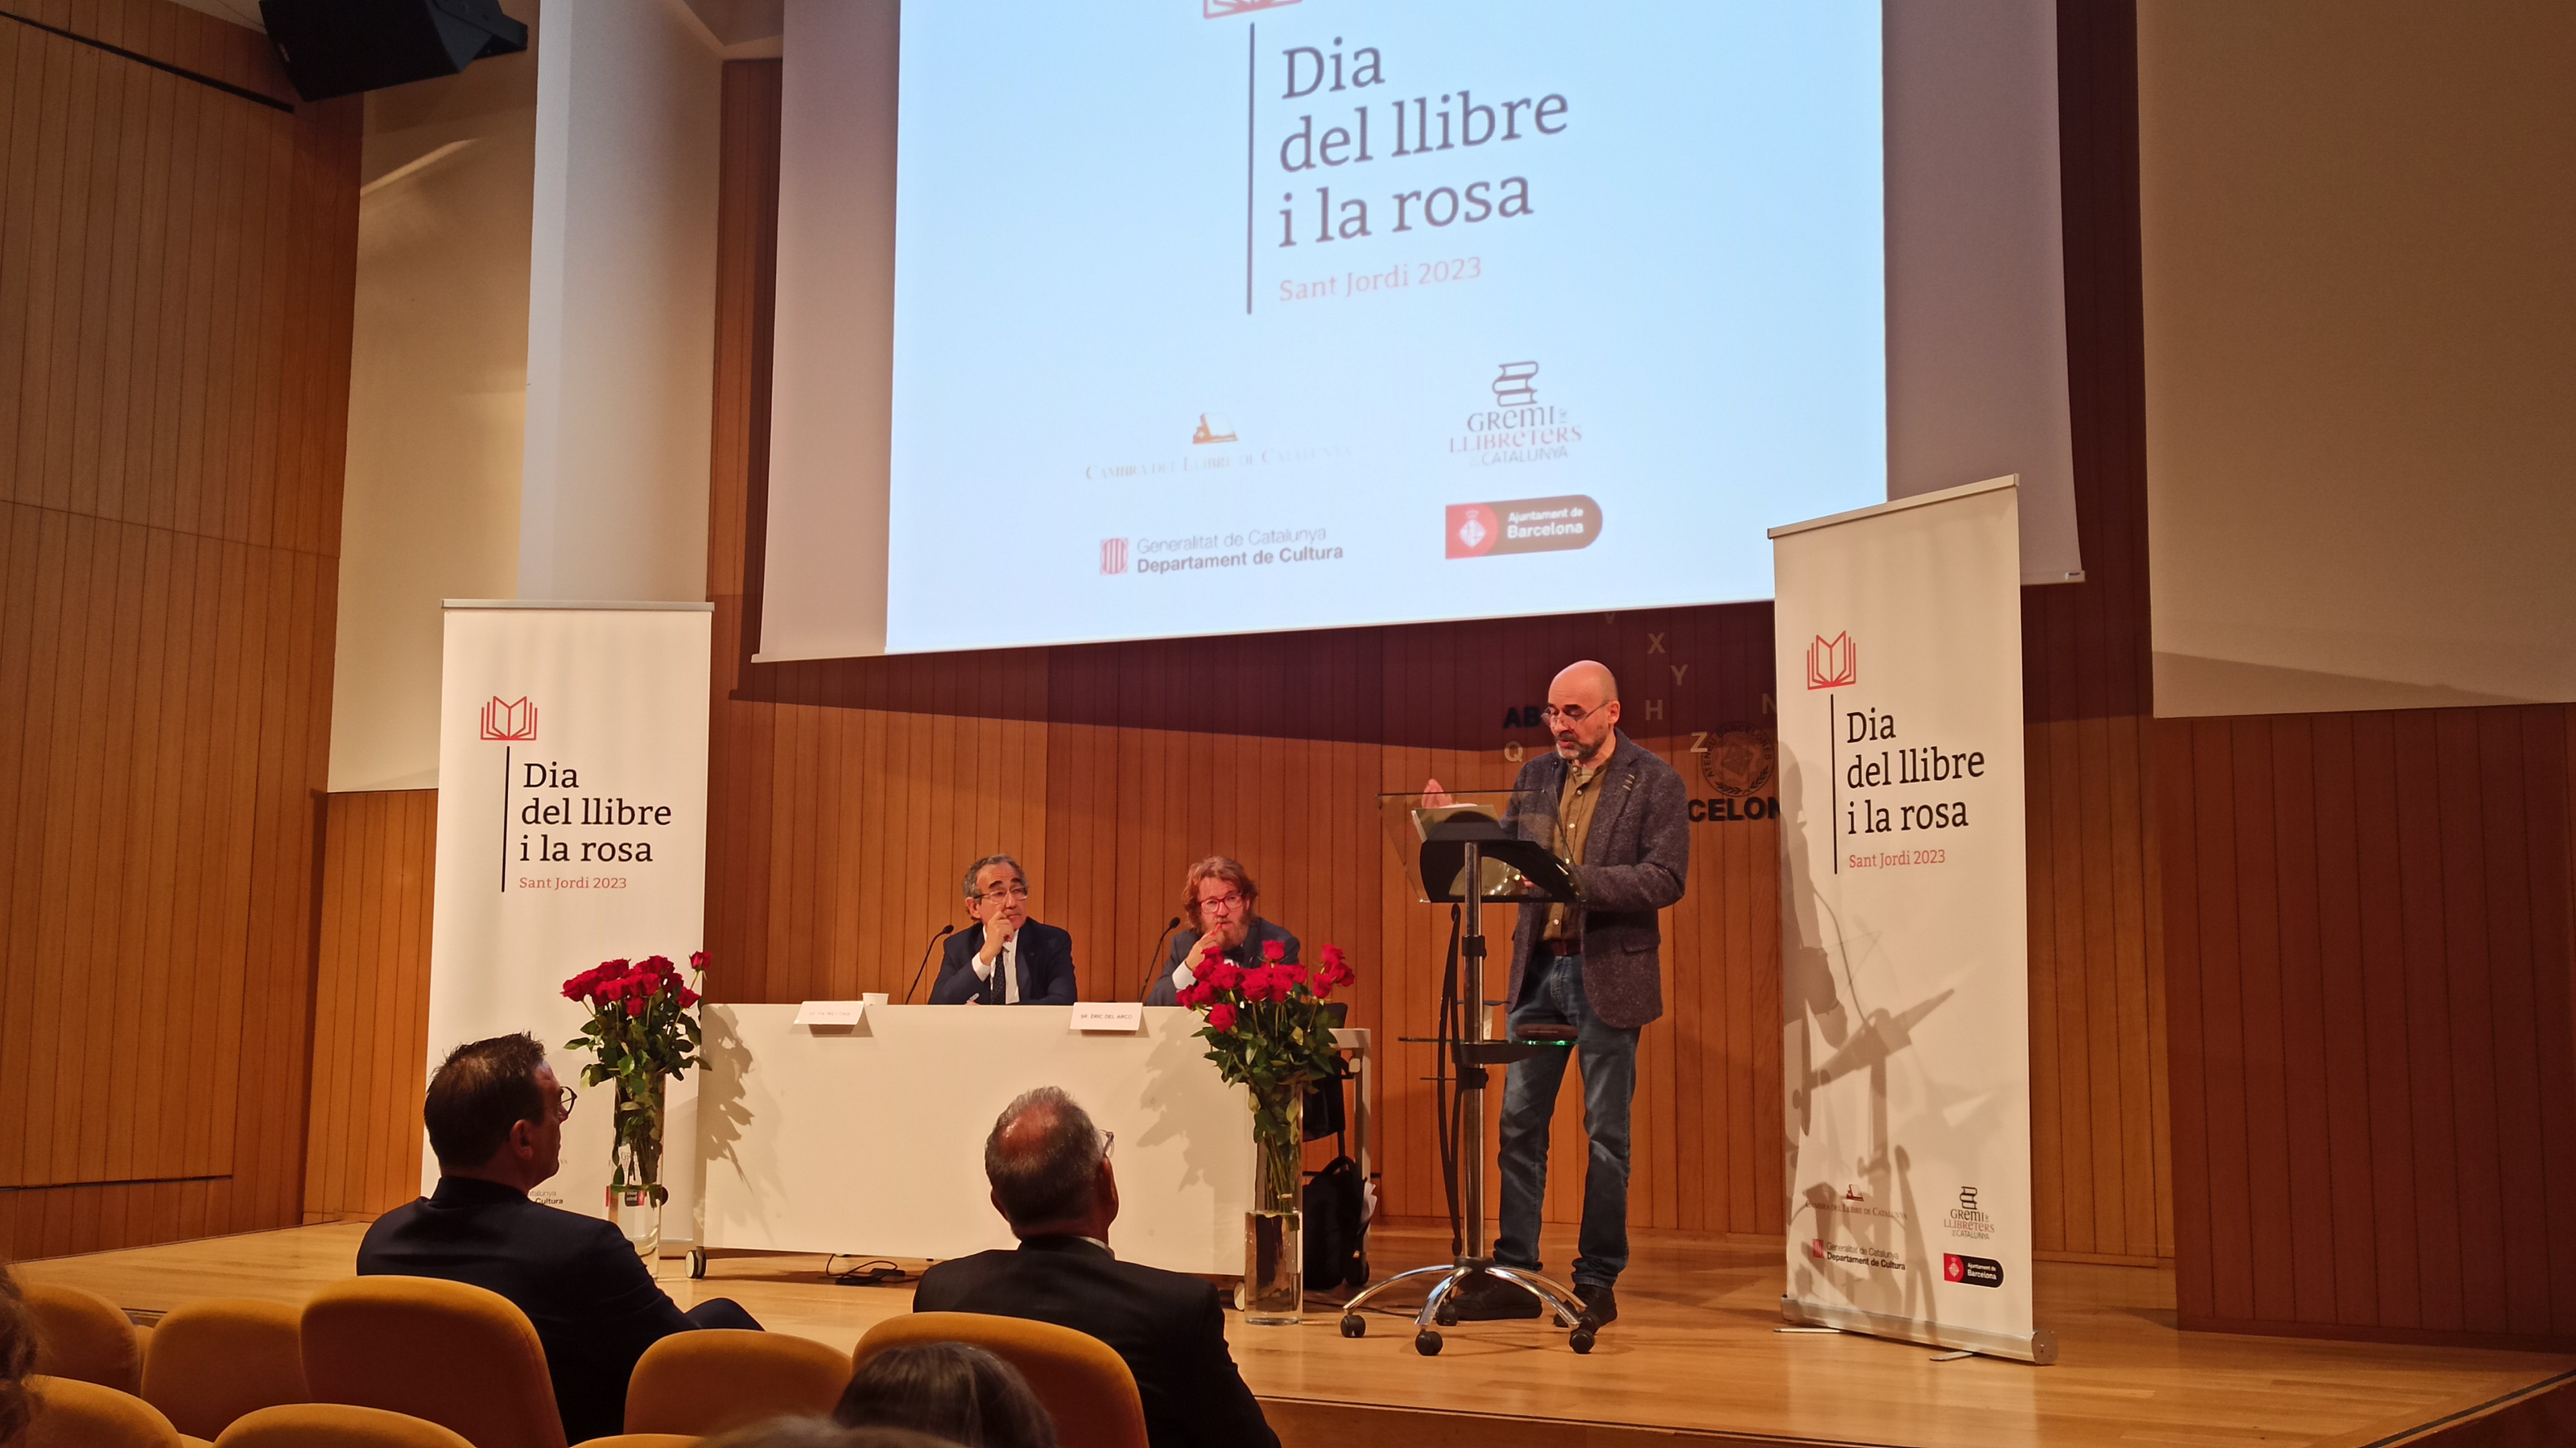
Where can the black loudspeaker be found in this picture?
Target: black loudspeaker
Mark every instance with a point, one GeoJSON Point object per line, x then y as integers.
{"type": "Point", "coordinates": [340, 47]}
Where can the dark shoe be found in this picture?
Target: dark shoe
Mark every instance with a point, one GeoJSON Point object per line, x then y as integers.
{"type": "Point", "coordinates": [1600, 1304]}
{"type": "Point", "coordinates": [1490, 1299]}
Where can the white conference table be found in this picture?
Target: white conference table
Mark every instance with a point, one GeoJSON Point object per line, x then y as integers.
{"type": "Point", "coordinates": [869, 1139]}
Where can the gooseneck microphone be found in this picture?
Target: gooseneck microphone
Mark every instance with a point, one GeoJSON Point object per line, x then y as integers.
{"type": "Point", "coordinates": [944, 932]}
{"type": "Point", "coordinates": [1153, 972]}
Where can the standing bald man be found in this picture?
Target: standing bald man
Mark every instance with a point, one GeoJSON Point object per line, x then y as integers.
{"type": "Point", "coordinates": [1590, 972]}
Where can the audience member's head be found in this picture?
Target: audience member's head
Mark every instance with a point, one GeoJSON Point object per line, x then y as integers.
{"type": "Point", "coordinates": [820, 1433]}
{"type": "Point", "coordinates": [17, 1360]}
{"type": "Point", "coordinates": [495, 1112]}
{"type": "Point", "coordinates": [1049, 1167]}
{"type": "Point", "coordinates": [949, 1388]}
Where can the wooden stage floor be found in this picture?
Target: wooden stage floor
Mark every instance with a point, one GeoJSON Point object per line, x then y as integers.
{"type": "Point", "coordinates": [1693, 1359]}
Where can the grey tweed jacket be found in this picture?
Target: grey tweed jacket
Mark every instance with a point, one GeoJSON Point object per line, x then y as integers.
{"type": "Point", "coordinates": [1635, 859]}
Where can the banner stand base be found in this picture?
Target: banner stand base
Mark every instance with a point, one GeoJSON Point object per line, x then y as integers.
{"type": "Point", "coordinates": [2038, 1349]}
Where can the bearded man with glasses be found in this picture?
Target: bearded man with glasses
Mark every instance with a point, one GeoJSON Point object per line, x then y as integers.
{"type": "Point", "coordinates": [1004, 958]}
{"type": "Point", "coordinates": [1216, 901]}
{"type": "Point", "coordinates": [1588, 973]}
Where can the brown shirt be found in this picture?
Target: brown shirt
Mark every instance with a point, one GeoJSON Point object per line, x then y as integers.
{"type": "Point", "coordinates": [1574, 825]}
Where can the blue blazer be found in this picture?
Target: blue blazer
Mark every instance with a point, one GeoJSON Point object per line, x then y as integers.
{"type": "Point", "coordinates": [1044, 957]}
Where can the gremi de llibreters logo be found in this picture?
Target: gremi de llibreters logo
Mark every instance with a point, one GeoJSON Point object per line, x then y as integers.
{"type": "Point", "coordinates": [1833, 663]}
{"type": "Point", "coordinates": [1523, 525]}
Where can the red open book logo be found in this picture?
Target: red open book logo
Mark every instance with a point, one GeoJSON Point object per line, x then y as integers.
{"type": "Point", "coordinates": [514, 720]}
{"type": "Point", "coordinates": [1832, 664]}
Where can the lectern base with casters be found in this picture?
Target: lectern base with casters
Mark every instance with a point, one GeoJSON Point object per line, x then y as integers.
{"type": "Point", "coordinates": [1505, 844]}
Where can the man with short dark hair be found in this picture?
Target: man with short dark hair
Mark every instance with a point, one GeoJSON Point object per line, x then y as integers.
{"type": "Point", "coordinates": [495, 1114]}
{"type": "Point", "coordinates": [1049, 1167]}
{"type": "Point", "coordinates": [1004, 958]}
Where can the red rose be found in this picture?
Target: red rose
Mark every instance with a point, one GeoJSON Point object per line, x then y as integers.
{"type": "Point", "coordinates": [688, 998]}
{"type": "Point", "coordinates": [1221, 1016]}
{"type": "Point", "coordinates": [635, 1007]}
{"type": "Point", "coordinates": [698, 961]}
{"type": "Point", "coordinates": [1273, 951]}
{"type": "Point", "coordinates": [1193, 995]}
{"type": "Point", "coordinates": [1223, 974]}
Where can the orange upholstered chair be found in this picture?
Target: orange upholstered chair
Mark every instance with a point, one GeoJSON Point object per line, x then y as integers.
{"type": "Point", "coordinates": [210, 1362]}
{"type": "Point", "coordinates": [459, 1356]}
{"type": "Point", "coordinates": [83, 1335]}
{"type": "Point", "coordinates": [713, 1379]}
{"type": "Point", "coordinates": [71, 1413]}
{"type": "Point", "coordinates": [1085, 1386]}
{"type": "Point", "coordinates": [335, 1425]}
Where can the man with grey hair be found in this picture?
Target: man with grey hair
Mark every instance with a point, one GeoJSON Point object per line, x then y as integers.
{"type": "Point", "coordinates": [1004, 958]}
{"type": "Point", "coordinates": [1049, 1167]}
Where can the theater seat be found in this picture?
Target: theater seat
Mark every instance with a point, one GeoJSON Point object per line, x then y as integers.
{"type": "Point", "coordinates": [76, 1414]}
{"type": "Point", "coordinates": [1084, 1384]}
{"type": "Point", "coordinates": [456, 1355]}
{"type": "Point", "coordinates": [713, 1379]}
{"type": "Point", "coordinates": [335, 1425]}
{"type": "Point", "coordinates": [210, 1362]}
{"type": "Point", "coordinates": [83, 1335]}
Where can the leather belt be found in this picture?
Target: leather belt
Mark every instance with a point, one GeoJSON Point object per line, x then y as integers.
{"type": "Point", "coordinates": [1563, 947]}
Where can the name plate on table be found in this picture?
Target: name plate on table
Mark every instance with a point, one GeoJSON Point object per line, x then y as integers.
{"type": "Point", "coordinates": [830, 1013]}
{"type": "Point", "coordinates": [1108, 1016]}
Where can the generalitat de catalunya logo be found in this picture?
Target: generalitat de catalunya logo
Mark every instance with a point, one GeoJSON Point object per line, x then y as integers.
{"type": "Point", "coordinates": [1834, 663]}
{"type": "Point", "coordinates": [1219, 9]}
{"type": "Point", "coordinates": [506, 721]}
{"type": "Point", "coordinates": [1113, 555]}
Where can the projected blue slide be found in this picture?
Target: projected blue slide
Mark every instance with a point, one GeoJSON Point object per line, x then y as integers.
{"type": "Point", "coordinates": [1217, 316]}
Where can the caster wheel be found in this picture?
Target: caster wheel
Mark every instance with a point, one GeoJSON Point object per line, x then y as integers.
{"type": "Point", "coordinates": [1427, 1343]}
{"type": "Point", "coordinates": [1354, 1325]}
{"type": "Point", "coordinates": [697, 1262]}
{"type": "Point", "coordinates": [1580, 1340]}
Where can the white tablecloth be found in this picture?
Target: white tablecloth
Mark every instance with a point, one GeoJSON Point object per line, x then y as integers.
{"type": "Point", "coordinates": [870, 1139]}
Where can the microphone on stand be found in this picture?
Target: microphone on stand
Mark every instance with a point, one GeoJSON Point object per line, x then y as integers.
{"type": "Point", "coordinates": [1152, 975]}
{"type": "Point", "coordinates": [944, 932]}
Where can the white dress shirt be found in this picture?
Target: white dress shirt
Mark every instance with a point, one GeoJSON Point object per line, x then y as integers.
{"type": "Point", "coordinates": [1008, 959]}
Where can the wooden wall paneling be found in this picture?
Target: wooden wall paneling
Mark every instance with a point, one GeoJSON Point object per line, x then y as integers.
{"type": "Point", "coordinates": [169, 468]}
{"type": "Point", "coordinates": [2469, 986]}
{"type": "Point", "coordinates": [2549, 743]}
{"type": "Point", "coordinates": [2515, 1059]}
{"type": "Point", "coordinates": [362, 1143]}
{"type": "Point", "coordinates": [2370, 964]}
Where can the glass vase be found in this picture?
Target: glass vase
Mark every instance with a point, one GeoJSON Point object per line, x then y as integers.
{"type": "Point", "coordinates": [1274, 1258]}
{"type": "Point", "coordinates": [635, 1191]}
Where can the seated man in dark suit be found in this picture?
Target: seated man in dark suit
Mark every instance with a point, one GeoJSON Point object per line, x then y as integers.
{"type": "Point", "coordinates": [1004, 958]}
{"type": "Point", "coordinates": [1216, 899]}
{"type": "Point", "coordinates": [1051, 1181]}
{"type": "Point", "coordinates": [496, 1114]}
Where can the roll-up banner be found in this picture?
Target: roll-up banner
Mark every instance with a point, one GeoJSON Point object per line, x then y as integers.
{"type": "Point", "coordinates": [1905, 989]}
{"type": "Point", "coordinates": [572, 828]}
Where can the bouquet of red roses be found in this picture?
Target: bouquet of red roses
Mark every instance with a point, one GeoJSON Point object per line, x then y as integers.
{"type": "Point", "coordinates": [641, 1030]}
{"type": "Point", "coordinates": [1265, 1025]}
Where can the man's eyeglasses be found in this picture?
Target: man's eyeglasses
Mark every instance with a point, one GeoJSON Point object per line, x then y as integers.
{"type": "Point", "coordinates": [1016, 890]}
{"type": "Point", "coordinates": [564, 1099]}
{"type": "Point", "coordinates": [1571, 713]}
{"type": "Point", "coordinates": [1225, 904]}
{"type": "Point", "coordinates": [1108, 1144]}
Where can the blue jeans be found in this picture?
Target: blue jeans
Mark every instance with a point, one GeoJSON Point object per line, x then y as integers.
{"type": "Point", "coordinates": [1529, 1103]}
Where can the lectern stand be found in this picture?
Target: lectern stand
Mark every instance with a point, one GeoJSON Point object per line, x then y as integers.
{"type": "Point", "coordinates": [1503, 843]}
